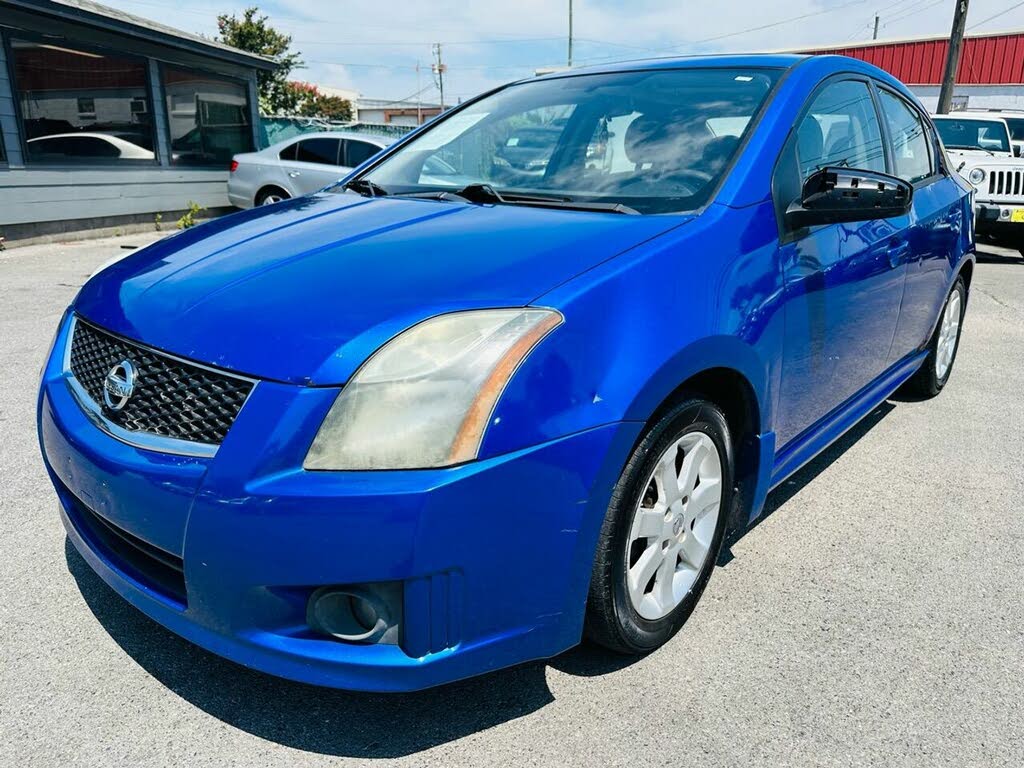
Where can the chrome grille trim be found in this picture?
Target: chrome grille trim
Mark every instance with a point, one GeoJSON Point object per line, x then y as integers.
{"type": "Point", "coordinates": [141, 438]}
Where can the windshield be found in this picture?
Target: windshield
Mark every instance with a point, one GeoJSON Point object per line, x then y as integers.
{"type": "Point", "coordinates": [990, 135]}
{"type": "Point", "coordinates": [1016, 125]}
{"type": "Point", "coordinates": [655, 141]}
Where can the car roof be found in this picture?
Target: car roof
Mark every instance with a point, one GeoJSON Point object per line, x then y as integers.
{"type": "Point", "coordinates": [771, 60]}
{"type": "Point", "coordinates": [81, 134]}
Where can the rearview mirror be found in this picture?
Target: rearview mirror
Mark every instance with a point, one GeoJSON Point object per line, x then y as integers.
{"type": "Point", "coordinates": [833, 195]}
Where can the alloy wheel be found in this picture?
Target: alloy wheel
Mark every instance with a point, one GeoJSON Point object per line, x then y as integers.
{"type": "Point", "coordinates": [673, 525]}
{"type": "Point", "coordinates": [949, 331]}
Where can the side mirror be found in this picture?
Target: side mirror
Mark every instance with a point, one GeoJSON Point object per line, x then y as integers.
{"type": "Point", "coordinates": [834, 195]}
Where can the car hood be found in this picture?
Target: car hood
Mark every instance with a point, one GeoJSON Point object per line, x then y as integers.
{"type": "Point", "coordinates": [304, 291]}
{"type": "Point", "coordinates": [976, 155]}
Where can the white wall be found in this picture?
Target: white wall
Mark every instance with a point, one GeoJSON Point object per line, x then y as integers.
{"type": "Point", "coordinates": [978, 96]}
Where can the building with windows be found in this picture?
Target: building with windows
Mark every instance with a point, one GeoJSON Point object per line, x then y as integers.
{"type": "Point", "coordinates": [990, 75]}
{"type": "Point", "coordinates": [107, 119]}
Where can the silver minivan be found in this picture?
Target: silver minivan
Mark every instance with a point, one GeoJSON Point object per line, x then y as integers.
{"type": "Point", "coordinates": [298, 166]}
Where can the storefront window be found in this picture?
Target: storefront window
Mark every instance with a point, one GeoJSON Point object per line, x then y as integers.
{"type": "Point", "coordinates": [208, 117]}
{"type": "Point", "coordinates": [81, 106]}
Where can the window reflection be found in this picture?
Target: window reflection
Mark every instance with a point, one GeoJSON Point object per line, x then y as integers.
{"type": "Point", "coordinates": [81, 106]}
{"type": "Point", "coordinates": [208, 117]}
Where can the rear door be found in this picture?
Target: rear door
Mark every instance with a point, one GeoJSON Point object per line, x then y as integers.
{"type": "Point", "coordinates": [843, 282]}
{"type": "Point", "coordinates": [315, 166]}
{"type": "Point", "coordinates": [935, 225]}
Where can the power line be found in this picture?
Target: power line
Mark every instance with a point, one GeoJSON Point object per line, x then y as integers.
{"type": "Point", "coordinates": [997, 15]}
{"type": "Point", "coordinates": [773, 24]}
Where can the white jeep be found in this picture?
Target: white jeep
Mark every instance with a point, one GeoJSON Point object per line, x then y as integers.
{"type": "Point", "coordinates": [979, 148]}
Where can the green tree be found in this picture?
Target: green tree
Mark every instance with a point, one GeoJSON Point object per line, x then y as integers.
{"type": "Point", "coordinates": [252, 33]}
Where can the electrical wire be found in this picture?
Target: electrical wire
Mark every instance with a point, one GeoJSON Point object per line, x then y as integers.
{"type": "Point", "coordinates": [996, 15]}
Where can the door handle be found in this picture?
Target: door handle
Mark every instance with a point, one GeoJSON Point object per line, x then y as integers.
{"type": "Point", "coordinates": [293, 174]}
{"type": "Point", "coordinates": [950, 222]}
{"type": "Point", "coordinates": [898, 252]}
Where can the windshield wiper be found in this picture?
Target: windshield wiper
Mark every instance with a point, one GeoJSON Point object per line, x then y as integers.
{"type": "Point", "coordinates": [964, 146]}
{"type": "Point", "coordinates": [580, 205]}
{"type": "Point", "coordinates": [366, 188]}
{"type": "Point", "coordinates": [485, 194]}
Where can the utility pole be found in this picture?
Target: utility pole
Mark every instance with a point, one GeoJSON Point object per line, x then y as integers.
{"type": "Point", "coordinates": [874, 35]}
{"type": "Point", "coordinates": [570, 34]}
{"type": "Point", "coordinates": [419, 96]}
{"type": "Point", "coordinates": [956, 39]}
{"type": "Point", "coordinates": [439, 68]}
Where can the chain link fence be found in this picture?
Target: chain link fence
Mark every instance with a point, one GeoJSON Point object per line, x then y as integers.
{"type": "Point", "coordinates": [275, 129]}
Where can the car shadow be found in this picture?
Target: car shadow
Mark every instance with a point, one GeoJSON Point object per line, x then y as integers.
{"type": "Point", "coordinates": [802, 477]}
{"type": "Point", "coordinates": [305, 717]}
{"type": "Point", "coordinates": [367, 725]}
{"type": "Point", "coordinates": [988, 253]}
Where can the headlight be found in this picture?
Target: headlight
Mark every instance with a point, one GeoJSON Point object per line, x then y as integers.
{"type": "Point", "coordinates": [424, 399]}
{"type": "Point", "coordinates": [976, 175]}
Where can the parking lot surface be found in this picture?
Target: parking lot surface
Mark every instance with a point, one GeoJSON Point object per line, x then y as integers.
{"type": "Point", "coordinates": [875, 617]}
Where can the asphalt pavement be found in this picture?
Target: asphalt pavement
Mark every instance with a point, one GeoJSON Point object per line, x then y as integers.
{"type": "Point", "coordinates": [874, 617]}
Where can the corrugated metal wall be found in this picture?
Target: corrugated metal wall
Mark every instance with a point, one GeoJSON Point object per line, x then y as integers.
{"type": "Point", "coordinates": [988, 60]}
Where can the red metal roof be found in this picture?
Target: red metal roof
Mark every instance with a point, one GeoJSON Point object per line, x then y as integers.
{"type": "Point", "coordinates": [990, 59]}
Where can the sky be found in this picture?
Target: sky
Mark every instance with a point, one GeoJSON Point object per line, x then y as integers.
{"type": "Point", "coordinates": [374, 48]}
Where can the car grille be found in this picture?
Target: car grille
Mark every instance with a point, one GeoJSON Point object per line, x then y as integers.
{"type": "Point", "coordinates": [172, 398]}
{"type": "Point", "coordinates": [1006, 182]}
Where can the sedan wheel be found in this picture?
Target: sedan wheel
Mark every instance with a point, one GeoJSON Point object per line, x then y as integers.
{"type": "Point", "coordinates": [270, 196]}
{"type": "Point", "coordinates": [933, 374]}
{"type": "Point", "coordinates": [949, 333]}
{"type": "Point", "coordinates": [663, 530]}
{"type": "Point", "coordinates": [673, 526]}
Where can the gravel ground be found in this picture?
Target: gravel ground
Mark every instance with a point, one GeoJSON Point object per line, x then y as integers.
{"type": "Point", "coordinates": [875, 617]}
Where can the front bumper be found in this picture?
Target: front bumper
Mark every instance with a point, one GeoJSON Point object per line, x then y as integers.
{"type": "Point", "coordinates": [492, 558]}
{"type": "Point", "coordinates": [990, 217]}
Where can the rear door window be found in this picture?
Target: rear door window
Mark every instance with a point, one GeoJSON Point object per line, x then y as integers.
{"type": "Point", "coordinates": [358, 152]}
{"type": "Point", "coordinates": [909, 139]}
{"type": "Point", "coordinates": [319, 151]}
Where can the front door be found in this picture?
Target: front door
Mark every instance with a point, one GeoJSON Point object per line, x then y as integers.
{"type": "Point", "coordinates": [843, 282]}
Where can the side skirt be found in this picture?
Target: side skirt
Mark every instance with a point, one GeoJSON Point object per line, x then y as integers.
{"type": "Point", "coordinates": [835, 424]}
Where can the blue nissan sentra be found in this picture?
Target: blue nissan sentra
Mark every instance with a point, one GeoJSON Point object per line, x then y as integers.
{"type": "Point", "coordinates": [510, 383]}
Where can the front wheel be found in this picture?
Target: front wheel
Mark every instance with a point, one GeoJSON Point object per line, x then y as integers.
{"type": "Point", "coordinates": [663, 530]}
{"type": "Point", "coordinates": [934, 372]}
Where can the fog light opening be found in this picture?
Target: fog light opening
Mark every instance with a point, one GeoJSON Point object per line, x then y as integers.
{"type": "Point", "coordinates": [350, 614]}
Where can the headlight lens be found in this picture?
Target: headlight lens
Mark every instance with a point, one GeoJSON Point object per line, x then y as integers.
{"type": "Point", "coordinates": [424, 399]}
{"type": "Point", "coordinates": [976, 176]}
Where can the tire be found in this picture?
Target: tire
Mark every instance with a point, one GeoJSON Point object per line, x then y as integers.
{"type": "Point", "coordinates": [935, 371]}
{"type": "Point", "coordinates": [638, 620]}
{"type": "Point", "coordinates": [271, 195]}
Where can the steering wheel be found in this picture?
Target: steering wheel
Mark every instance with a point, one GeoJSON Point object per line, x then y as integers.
{"type": "Point", "coordinates": [692, 180]}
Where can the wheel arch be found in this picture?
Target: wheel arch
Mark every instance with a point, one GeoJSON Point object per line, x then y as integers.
{"type": "Point", "coordinates": [737, 384]}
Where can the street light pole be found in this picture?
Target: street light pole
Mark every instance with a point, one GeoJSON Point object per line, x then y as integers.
{"type": "Point", "coordinates": [956, 39]}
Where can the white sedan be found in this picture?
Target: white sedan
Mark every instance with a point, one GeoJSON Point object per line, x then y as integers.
{"type": "Point", "coordinates": [86, 146]}
{"type": "Point", "coordinates": [298, 166]}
